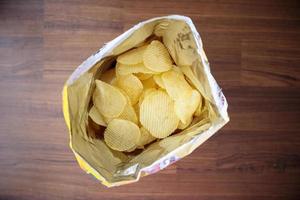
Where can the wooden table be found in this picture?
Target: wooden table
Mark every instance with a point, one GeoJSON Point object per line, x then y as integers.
{"type": "Point", "coordinates": [253, 49]}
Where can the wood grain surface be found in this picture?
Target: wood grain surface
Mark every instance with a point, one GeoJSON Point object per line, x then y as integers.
{"type": "Point", "coordinates": [253, 49]}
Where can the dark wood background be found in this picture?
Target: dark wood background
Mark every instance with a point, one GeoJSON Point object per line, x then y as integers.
{"type": "Point", "coordinates": [253, 49]}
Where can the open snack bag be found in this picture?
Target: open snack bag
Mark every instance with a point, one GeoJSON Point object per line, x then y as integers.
{"type": "Point", "coordinates": [142, 102]}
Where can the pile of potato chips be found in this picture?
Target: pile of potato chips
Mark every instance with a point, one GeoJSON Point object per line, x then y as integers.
{"type": "Point", "coordinates": [145, 97]}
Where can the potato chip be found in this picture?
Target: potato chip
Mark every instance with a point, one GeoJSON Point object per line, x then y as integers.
{"type": "Point", "coordinates": [144, 94]}
{"type": "Point", "coordinates": [133, 56]}
{"type": "Point", "coordinates": [156, 57]}
{"type": "Point", "coordinates": [182, 126]}
{"type": "Point", "coordinates": [193, 80]}
{"type": "Point", "coordinates": [149, 83]}
{"type": "Point", "coordinates": [132, 86]}
{"type": "Point", "coordinates": [145, 138]}
{"type": "Point", "coordinates": [157, 114]}
{"type": "Point", "coordinates": [143, 76]}
{"type": "Point", "coordinates": [96, 116]}
{"type": "Point", "coordinates": [108, 76]}
{"type": "Point", "coordinates": [185, 106]}
{"type": "Point", "coordinates": [121, 135]}
{"type": "Point", "coordinates": [128, 113]}
{"type": "Point", "coordinates": [131, 149]}
{"type": "Point", "coordinates": [158, 80]}
{"type": "Point", "coordinates": [122, 69]}
{"type": "Point", "coordinates": [108, 99]}
{"type": "Point", "coordinates": [113, 81]}
{"type": "Point", "coordinates": [175, 84]}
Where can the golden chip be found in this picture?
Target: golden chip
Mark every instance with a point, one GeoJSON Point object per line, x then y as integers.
{"type": "Point", "coordinates": [108, 99]}
{"type": "Point", "coordinates": [143, 76]}
{"type": "Point", "coordinates": [157, 114]}
{"type": "Point", "coordinates": [131, 149]}
{"type": "Point", "coordinates": [132, 86]}
{"type": "Point", "coordinates": [96, 116]}
{"type": "Point", "coordinates": [149, 83]}
{"type": "Point", "coordinates": [108, 76]}
{"type": "Point", "coordinates": [182, 126]}
{"type": "Point", "coordinates": [156, 57]}
{"type": "Point", "coordinates": [158, 80]}
{"type": "Point", "coordinates": [144, 94]}
{"type": "Point", "coordinates": [193, 79]}
{"type": "Point", "coordinates": [145, 138]}
{"type": "Point", "coordinates": [128, 113]}
{"type": "Point", "coordinates": [185, 106]}
{"type": "Point", "coordinates": [122, 69]}
{"type": "Point", "coordinates": [121, 135]}
{"type": "Point", "coordinates": [175, 84]}
{"type": "Point", "coordinates": [132, 57]}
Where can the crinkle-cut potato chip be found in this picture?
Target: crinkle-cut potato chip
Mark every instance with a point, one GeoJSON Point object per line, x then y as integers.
{"type": "Point", "coordinates": [121, 135]}
{"type": "Point", "coordinates": [114, 82]}
{"type": "Point", "coordinates": [128, 113]}
{"type": "Point", "coordinates": [145, 138]}
{"type": "Point", "coordinates": [192, 78]}
{"type": "Point", "coordinates": [144, 94]}
{"type": "Point", "coordinates": [158, 80]}
{"type": "Point", "coordinates": [177, 69]}
{"type": "Point", "coordinates": [156, 57]}
{"type": "Point", "coordinates": [122, 69]}
{"type": "Point", "coordinates": [182, 126]}
{"type": "Point", "coordinates": [175, 84]}
{"type": "Point", "coordinates": [157, 114]}
{"type": "Point", "coordinates": [108, 99]}
{"type": "Point", "coordinates": [149, 83]}
{"type": "Point", "coordinates": [131, 149]}
{"type": "Point", "coordinates": [108, 76]}
{"type": "Point", "coordinates": [143, 76]}
{"type": "Point", "coordinates": [132, 86]}
{"type": "Point", "coordinates": [185, 106]}
{"type": "Point", "coordinates": [96, 116]}
{"type": "Point", "coordinates": [133, 56]}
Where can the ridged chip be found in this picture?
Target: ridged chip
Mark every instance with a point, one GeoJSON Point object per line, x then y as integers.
{"type": "Point", "coordinates": [157, 114]}
{"type": "Point", "coordinates": [132, 86]}
{"type": "Point", "coordinates": [145, 138]}
{"type": "Point", "coordinates": [185, 106]}
{"type": "Point", "coordinates": [108, 99]}
{"type": "Point", "coordinates": [121, 135]}
{"type": "Point", "coordinates": [175, 84]}
{"type": "Point", "coordinates": [128, 113]}
{"type": "Point", "coordinates": [96, 116]}
{"type": "Point", "coordinates": [133, 56]}
{"type": "Point", "coordinates": [156, 57]}
{"type": "Point", "coordinates": [143, 76]}
{"type": "Point", "coordinates": [182, 126]}
{"type": "Point", "coordinates": [122, 69]}
{"type": "Point", "coordinates": [144, 94]}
